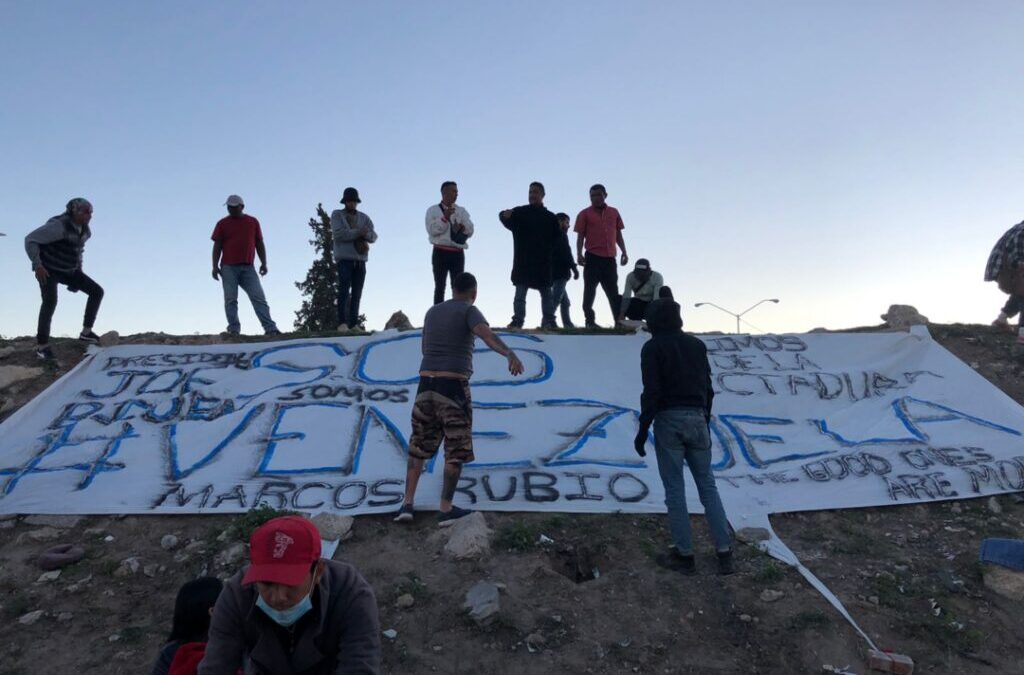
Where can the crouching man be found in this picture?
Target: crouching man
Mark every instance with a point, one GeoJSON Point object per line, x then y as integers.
{"type": "Point", "coordinates": [292, 612]}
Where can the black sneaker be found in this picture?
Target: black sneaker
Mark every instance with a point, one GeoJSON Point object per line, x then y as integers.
{"type": "Point", "coordinates": [405, 514]}
{"type": "Point", "coordinates": [675, 561]}
{"type": "Point", "coordinates": [549, 326]}
{"type": "Point", "coordinates": [44, 353]}
{"type": "Point", "coordinates": [725, 563]}
{"type": "Point", "coordinates": [272, 331]}
{"type": "Point", "coordinates": [514, 326]}
{"type": "Point", "coordinates": [446, 519]}
{"type": "Point", "coordinates": [591, 325]}
{"type": "Point", "coordinates": [568, 326]}
{"type": "Point", "coordinates": [89, 336]}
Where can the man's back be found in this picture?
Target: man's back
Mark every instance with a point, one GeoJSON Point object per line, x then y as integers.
{"type": "Point", "coordinates": [675, 364]}
{"type": "Point", "coordinates": [448, 337]}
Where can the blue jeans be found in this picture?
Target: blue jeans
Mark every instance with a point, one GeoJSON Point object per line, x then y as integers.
{"type": "Point", "coordinates": [560, 299]}
{"type": "Point", "coordinates": [351, 275]}
{"type": "Point", "coordinates": [682, 435]}
{"type": "Point", "coordinates": [546, 306]}
{"type": "Point", "coordinates": [233, 276]}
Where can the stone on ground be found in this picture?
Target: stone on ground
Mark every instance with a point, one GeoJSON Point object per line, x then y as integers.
{"type": "Point", "coordinates": [398, 320]}
{"type": "Point", "coordinates": [11, 374]}
{"type": "Point", "coordinates": [903, 316]}
{"type": "Point", "coordinates": [482, 602]}
{"type": "Point", "coordinates": [1006, 582]}
{"type": "Point", "coordinates": [468, 537]}
{"type": "Point", "coordinates": [333, 527]}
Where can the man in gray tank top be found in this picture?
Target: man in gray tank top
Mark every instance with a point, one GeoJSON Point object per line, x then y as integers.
{"type": "Point", "coordinates": [444, 409]}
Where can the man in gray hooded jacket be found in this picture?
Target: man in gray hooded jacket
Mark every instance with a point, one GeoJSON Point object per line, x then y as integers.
{"type": "Point", "coordinates": [55, 250]}
{"type": "Point", "coordinates": [353, 233]}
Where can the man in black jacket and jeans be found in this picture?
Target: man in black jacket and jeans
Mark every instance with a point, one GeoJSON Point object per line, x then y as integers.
{"type": "Point", "coordinates": [677, 399]}
{"type": "Point", "coordinates": [55, 250]}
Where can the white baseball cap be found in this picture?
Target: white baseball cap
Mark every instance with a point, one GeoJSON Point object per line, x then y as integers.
{"type": "Point", "coordinates": [234, 200]}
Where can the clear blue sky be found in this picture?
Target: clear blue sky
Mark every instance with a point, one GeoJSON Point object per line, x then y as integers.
{"type": "Point", "coordinates": [839, 156]}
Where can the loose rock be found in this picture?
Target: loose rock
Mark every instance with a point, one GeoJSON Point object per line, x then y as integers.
{"type": "Point", "coordinates": [42, 534]}
{"type": "Point", "coordinates": [110, 338]}
{"type": "Point", "coordinates": [994, 506]}
{"type": "Point", "coordinates": [482, 602]}
{"type": "Point", "coordinates": [48, 576]}
{"type": "Point", "coordinates": [65, 617]}
{"type": "Point", "coordinates": [771, 595]}
{"type": "Point", "coordinates": [59, 522]}
{"type": "Point", "coordinates": [30, 618]}
{"type": "Point", "coordinates": [128, 567]}
{"type": "Point", "coordinates": [1006, 582]}
{"type": "Point", "coordinates": [11, 374]}
{"type": "Point", "coordinates": [468, 537]}
{"type": "Point", "coordinates": [405, 601]}
{"type": "Point", "coordinates": [169, 542]}
{"type": "Point", "coordinates": [233, 555]}
{"type": "Point", "coordinates": [390, 633]}
{"type": "Point", "coordinates": [398, 320]}
{"type": "Point", "coordinates": [903, 316]}
{"type": "Point", "coordinates": [333, 527]}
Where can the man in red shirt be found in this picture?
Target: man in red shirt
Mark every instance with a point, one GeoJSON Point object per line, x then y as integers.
{"type": "Point", "coordinates": [237, 240]}
{"type": "Point", "coordinates": [599, 229]}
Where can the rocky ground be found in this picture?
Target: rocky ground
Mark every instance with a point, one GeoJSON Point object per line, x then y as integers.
{"type": "Point", "coordinates": [586, 597]}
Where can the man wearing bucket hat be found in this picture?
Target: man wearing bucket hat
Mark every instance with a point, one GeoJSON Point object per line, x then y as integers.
{"type": "Point", "coordinates": [291, 611]}
{"type": "Point", "coordinates": [237, 240]}
{"type": "Point", "coordinates": [353, 233]}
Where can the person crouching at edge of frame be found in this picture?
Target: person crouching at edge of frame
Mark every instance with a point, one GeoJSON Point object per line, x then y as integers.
{"type": "Point", "coordinates": [291, 612]}
{"type": "Point", "coordinates": [443, 409]}
{"type": "Point", "coordinates": [55, 250]}
{"type": "Point", "coordinates": [677, 398]}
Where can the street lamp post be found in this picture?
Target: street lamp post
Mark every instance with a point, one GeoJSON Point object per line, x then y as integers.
{"type": "Point", "coordinates": [734, 314]}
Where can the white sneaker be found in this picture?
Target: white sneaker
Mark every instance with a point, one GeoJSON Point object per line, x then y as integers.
{"type": "Point", "coordinates": [343, 328]}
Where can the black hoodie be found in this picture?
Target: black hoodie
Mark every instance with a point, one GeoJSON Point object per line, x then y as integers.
{"type": "Point", "coordinates": [674, 364]}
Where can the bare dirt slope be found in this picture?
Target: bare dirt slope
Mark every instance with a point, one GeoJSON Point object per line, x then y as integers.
{"type": "Point", "coordinates": [908, 575]}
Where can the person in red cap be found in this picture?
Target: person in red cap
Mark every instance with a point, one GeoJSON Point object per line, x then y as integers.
{"type": "Point", "coordinates": [291, 611]}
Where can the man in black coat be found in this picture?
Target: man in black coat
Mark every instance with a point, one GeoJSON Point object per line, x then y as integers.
{"type": "Point", "coordinates": [535, 237]}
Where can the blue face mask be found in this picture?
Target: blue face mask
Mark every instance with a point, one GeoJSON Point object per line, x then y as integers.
{"type": "Point", "coordinates": [285, 617]}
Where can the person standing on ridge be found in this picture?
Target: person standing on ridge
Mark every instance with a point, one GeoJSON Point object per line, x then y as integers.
{"type": "Point", "coordinates": [448, 228]}
{"type": "Point", "coordinates": [55, 250]}
{"type": "Point", "coordinates": [535, 235]}
{"type": "Point", "coordinates": [677, 398]}
{"type": "Point", "coordinates": [598, 230]}
{"type": "Point", "coordinates": [353, 233]}
{"type": "Point", "coordinates": [237, 240]}
{"type": "Point", "coordinates": [562, 266]}
{"type": "Point", "coordinates": [443, 409]}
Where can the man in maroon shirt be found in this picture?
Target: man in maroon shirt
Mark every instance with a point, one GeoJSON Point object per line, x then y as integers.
{"type": "Point", "coordinates": [237, 240]}
{"type": "Point", "coordinates": [599, 229]}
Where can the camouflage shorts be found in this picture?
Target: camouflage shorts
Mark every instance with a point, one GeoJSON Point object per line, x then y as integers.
{"type": "Point", "coordinates": [443, 411]}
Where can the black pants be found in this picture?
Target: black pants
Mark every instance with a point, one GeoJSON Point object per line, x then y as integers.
{"type": "Point", "coordinates": [446, 264]}
{"type": "Point", "coordinates": [75, 281]}
{"type": "Point", "coordinates": [351, 275]}
{"type": "Point", "coordinates": [600, 270]}
{"type": "Point", "coordinates": [636, 309]}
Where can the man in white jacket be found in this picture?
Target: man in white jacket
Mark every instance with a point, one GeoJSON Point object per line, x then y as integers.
{"type": "Point", "coordinates": [448, 228]}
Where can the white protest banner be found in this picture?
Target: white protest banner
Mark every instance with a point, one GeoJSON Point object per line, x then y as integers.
{"type": "Point", "coordinates": [800, 422]}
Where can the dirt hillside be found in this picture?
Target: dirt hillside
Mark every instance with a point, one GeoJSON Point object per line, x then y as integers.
{"type": "Point", "coordinates": [908, 574]}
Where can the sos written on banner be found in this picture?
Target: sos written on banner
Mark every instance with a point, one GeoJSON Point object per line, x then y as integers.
{"type": "Point", "coordinates": [800, 422]}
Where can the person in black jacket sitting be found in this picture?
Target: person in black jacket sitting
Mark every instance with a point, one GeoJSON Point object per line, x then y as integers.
{"type": "Point", "coordinates": [677, 399]}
